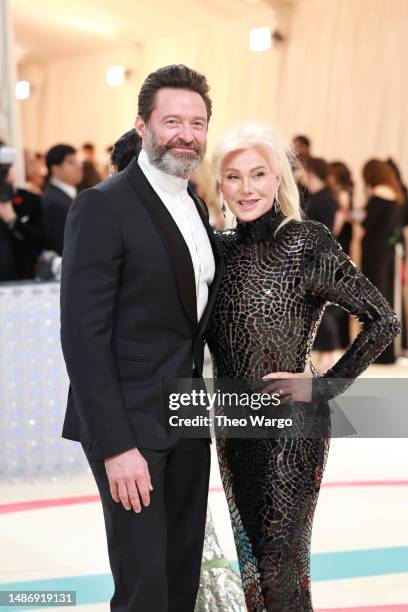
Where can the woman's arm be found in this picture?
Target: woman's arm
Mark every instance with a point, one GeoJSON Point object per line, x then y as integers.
{"type": "Point", "coordinates": [330, 275]}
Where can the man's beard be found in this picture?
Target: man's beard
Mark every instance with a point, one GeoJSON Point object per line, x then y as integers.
{"type": "Point", "coordinates": [182, 164]}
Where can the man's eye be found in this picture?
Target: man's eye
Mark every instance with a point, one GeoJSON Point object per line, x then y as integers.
{"type": "Point", "coordinates": [260, 174]}
{"type": "Point", "coordinates": [171, 121]}
{"type": "Point", "coordinates": [232, 177]}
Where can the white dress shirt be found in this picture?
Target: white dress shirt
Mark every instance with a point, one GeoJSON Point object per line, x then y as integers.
{"type": "Point", "coordinates": [69, 190]}
{"type": "Point", "coordinates": [173, 193]}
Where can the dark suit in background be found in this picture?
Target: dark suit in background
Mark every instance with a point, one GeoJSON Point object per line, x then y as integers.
{"type": "Point", "coordinates": [22, 240]}
{"type": "Point", "coordinates": [29, 229]}
{"type": "Point", "coordinates": [128, 320]}
{"type": "Point", "coordinates": [56, 204]}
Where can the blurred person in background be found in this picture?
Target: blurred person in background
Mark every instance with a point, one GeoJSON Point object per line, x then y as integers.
{"type": "Point", "coordinates": [126, 148]}
{"type": "Point", "coordinates": [381, 225]}
{"type": "Point", "coordinates": [301, 147]}
{"type": "Point", "coordinates": [91, 176]}
{"type": "Point", "coordinates": [322, 206]}
{"type": "Point", "coordinates": [35, 172]}
{"type": "Point", "coordinates": [8, 265]}
{"type": "Point", "coordinates": [341, 184]}
{"type": "Point", "coordinates": [105, 173]}
{"type": "Point", "coordinates": [403, 239]}
{"type": "Point", "coordinates": [64, 174]}
{"type": "Point", "coordinates": [21, 229]}
{"type": "Point", "coordinates": [206, 189]}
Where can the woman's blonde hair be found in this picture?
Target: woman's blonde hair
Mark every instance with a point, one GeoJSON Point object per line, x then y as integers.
{"type": "Point", "coordinates": [278, 152]}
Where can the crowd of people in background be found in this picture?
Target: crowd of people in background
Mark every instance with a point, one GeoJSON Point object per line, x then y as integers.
{"type": "Point", "coordinates": [32, 222]}
{"type": "Point", "coordinates": [368, 233]}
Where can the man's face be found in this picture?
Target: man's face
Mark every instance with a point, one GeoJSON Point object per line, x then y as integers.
{"type": "Point", "coordinates": [175, 136]}
{"type": "Point", "coordinates": [70, 171]}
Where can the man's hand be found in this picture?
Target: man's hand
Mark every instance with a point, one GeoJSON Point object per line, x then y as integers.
{"type": "Point", "coordinates": [129, 479]}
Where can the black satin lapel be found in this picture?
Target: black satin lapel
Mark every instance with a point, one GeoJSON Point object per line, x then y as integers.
{"type": "Point", "coordinates": [219, 265]}
{"type": "Point", "coordinates": [172, 238]}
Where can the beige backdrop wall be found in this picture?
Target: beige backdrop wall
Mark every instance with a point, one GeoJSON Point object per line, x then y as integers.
{"type": "Point", "coordinates": [345, 79]}
{"type": "Point", "coordinates": [340, 77]}
{"type": "Point", "coordinates": [71, 101]}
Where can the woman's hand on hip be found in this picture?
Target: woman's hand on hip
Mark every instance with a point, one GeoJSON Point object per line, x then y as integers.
{"type": "Point", "coordinates": [290, 386]}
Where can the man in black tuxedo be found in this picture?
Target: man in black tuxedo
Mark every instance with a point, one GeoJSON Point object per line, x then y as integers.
{"type": "Point", "coordinates": [139, 277]}
{"type": "Point", "coordinates": [65, 173]}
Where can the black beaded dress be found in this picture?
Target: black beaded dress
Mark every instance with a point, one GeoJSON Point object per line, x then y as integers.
{"type": "Point", "coordinates": [267, 312]}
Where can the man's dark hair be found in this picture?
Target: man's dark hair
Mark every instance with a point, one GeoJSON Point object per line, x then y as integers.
{"type": "Point", "coordinates": [57, 154]}
{"type": "Point", "coordinates": [303, 140]}
{"type": "Point", "coordinates": [125, 149]}
{"type": "Point", "coordinates": [176, 76]}
{"type": "Point", "coordinates": [318, 166]}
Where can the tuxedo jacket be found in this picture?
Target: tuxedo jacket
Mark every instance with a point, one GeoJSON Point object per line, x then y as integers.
{"type": "Point", "coordinates": [56, 204]}
{"type": "Point", "coordinates": [128, 313]}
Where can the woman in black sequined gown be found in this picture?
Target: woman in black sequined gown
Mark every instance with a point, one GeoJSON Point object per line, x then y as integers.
{"type": "Point", "coordinates": [279, 273]}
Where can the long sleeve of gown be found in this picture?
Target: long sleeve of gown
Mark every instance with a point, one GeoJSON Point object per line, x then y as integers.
{"type": "Point", "coordinates": [331, 276]}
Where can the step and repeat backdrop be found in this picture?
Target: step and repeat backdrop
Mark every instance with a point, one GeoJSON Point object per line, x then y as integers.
{"type": "Point", "coordinates": [33, 385]}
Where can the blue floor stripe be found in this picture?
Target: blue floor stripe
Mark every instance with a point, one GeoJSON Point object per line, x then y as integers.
{"type": "Point", "coordinates": [98, 588]}
{"type": "Point", "coordinates": [357, 563]}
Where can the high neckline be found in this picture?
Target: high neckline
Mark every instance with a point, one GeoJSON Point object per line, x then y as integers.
{"type": "Point", "coordinates": [261, 229]}
{"type": "Point", "coordinates": [167, 182]}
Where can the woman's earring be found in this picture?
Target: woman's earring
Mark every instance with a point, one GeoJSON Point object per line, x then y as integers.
{"type": "Point", "coordinates": [224, 208]}
{"type": "Point", "coordinates": [276, 204]}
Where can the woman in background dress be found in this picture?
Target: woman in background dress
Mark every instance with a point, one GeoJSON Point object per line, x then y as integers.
{"type": "Point", "coordinates": [322, 206]}
{"type": "Point", "coordinates": [382, 226]}
{"type": "Point", "coordinates": [341, 184]}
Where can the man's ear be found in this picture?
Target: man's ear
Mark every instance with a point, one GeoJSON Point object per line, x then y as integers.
{"type": "Point", "coordinates": [140, 126]}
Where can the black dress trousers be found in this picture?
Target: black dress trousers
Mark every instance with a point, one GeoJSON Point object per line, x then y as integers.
{"type": "Point", "coordinates": [155, 556]}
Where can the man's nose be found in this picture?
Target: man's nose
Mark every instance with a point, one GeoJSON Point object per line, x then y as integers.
{"type": "Point", "coordinates": [186, 133]}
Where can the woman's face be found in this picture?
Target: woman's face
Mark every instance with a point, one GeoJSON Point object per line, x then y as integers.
{"type": "Point", "coordinates": [248, 183]}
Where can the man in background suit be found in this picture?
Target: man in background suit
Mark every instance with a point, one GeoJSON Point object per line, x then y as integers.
{"type": "Point", "coordinates": [65, 173]}
{"type": "Point", "coordinates": [140, 273]}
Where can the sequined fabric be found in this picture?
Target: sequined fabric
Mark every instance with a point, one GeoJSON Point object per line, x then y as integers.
{"type": "Point", "coordinates": [265, 319]}
{"type": "Point", "coordinates": [220, 587]}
